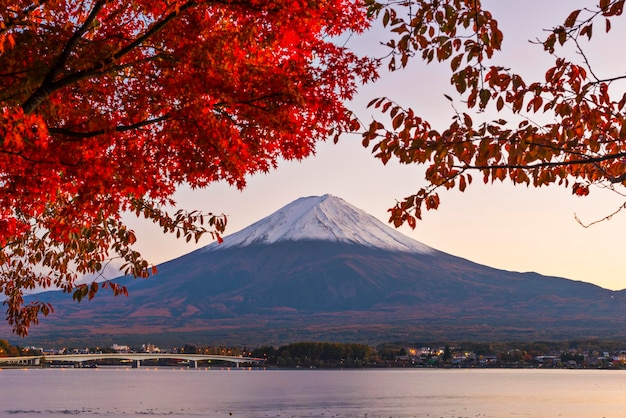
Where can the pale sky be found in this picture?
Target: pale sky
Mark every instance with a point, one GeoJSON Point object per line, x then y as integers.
{"type": "Point", "coordinates": [502, 226]}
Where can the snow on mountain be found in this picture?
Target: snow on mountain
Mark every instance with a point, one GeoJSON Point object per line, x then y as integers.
{"type": "Point", "coordinates": [322, 218]}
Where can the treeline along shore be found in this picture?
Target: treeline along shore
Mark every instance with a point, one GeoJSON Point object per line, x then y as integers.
{"type": "Point", "coordinates": [562, 354]}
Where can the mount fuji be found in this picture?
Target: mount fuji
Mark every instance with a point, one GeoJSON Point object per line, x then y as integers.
{"type": "Point", "coordinates": [322, 218]}
{"type": "Point", "coordinates": [322, 269]}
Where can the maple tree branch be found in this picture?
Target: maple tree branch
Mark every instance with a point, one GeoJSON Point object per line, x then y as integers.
{"type": "Point", "coordinates": [598, 80]}
{"type": "Point", "coordinates": [32, 160]}
{"type": "Point", "coordinates": [586, 60]}
{"type": "Point", "coordinates": [252, 102]}
{"type": "Point", "coordinates": [618, 179]}
{"type": "Point", "coordinates": [15, 74]}
{"type": "Point", "coordinates": [607, 80]}
{"type": "Point", "coordinates": [150, 32]}
{"type": "Point", "coordinates": [97, 71]}
{"type": "Point", "coordinates": [120, 128]}
{"type": "Point", "coordinates": [62, 59]}
{"type": "Point", "coordinates": [589, 160]}
{"type": "Point", "coordinates": [606, 218]}
{"type": "Point", "coordinates": [98, 68]}
{"type": "Point", "coordinates": [49, 85]}
{"type": "Point", "coordinates": [46, 87]}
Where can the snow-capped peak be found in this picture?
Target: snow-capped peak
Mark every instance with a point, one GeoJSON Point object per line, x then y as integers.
{"type": "Point", "coordinates": [322, 218]}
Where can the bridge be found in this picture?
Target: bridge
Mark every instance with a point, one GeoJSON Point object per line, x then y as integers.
{"type": "Point", "coordinates": [135, 358]}
{"type": "Point", "coordinates": [22, 361]}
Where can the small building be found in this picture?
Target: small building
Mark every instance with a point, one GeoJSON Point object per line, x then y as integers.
{"type": "Point", "coordinates": [120, 348]}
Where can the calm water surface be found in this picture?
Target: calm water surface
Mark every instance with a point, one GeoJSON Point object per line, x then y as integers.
{"type": "Point", "coordinates": [104, 392]}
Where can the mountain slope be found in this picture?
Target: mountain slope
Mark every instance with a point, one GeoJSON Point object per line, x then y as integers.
{"type": "Point", "coordinates": [320, 268]}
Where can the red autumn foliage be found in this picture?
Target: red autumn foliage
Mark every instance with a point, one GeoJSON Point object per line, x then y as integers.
{"type": "Point", "coordinates": [584, 143]}
{"type": "Point", "coordinates": [107, 107]}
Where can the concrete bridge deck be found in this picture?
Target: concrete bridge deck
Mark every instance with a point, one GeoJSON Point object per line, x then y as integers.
{"type": "Point", "coordinates": [136, 358]}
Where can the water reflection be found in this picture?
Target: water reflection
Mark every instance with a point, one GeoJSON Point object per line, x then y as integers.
{"type": "Point", "coordinates": [251, 393]}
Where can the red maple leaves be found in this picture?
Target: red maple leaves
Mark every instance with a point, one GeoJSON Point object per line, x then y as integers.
{"type": "Point", "coordinates": [108, 106]}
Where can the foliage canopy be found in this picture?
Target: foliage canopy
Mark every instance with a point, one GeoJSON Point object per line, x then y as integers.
{"type": "Point", "coordinates": [582, 144]}
{"type": "Point", "coordinates": [106, 107]}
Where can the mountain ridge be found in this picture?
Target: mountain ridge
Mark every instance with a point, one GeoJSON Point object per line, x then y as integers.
{"type": "Point", "coordinates": [276, 282]}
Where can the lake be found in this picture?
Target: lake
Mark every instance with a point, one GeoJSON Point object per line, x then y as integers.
{"type": "Point", "coordinates": [466, 393]}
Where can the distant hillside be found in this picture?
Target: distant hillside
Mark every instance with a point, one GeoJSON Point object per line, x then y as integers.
{"type": "Point", "coordinates": [321, 269]}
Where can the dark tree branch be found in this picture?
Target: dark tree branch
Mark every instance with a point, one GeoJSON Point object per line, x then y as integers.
{"type": "Point", "coordinates": [122, 128]}
{"type": "Point", "coordinates": [606, 218]}
{"type": "Point", "coordinates": [47, 85]}
{"type": "Point", "coordinates": [544, 164]}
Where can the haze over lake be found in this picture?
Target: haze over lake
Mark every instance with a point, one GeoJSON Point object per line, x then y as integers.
{"type": "Point", "coordinates": [118, 392]}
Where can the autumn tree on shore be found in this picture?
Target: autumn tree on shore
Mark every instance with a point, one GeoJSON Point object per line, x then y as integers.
{"type": "Point", "coordinates": [107, 106]}
{"type": "Point", "coordinates": [583, 142]}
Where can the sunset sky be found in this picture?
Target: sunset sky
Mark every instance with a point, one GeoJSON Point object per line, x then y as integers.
{"type": "Point", "coordinates": [512, 228]}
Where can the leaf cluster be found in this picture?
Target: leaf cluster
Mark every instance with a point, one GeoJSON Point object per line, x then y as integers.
{"type": "Point", "coordinates": [583, 142]}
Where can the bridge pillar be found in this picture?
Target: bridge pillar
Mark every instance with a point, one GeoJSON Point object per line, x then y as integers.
{"type": "Point", "coordinates": [136, 364]}
{"type": "Point", "coordinates": [193, 364]}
